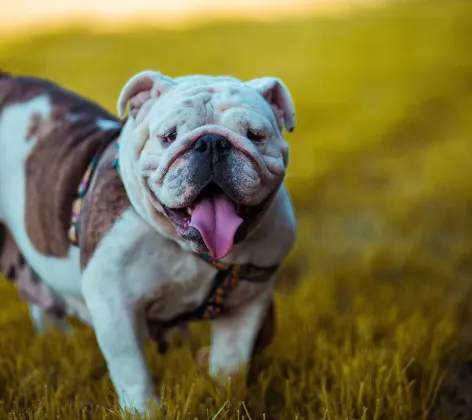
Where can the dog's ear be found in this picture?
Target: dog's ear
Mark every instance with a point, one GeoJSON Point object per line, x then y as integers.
{"type": "Point", "coordinates": [278, 96]}
{"type": "Point", "coordinates": [140, 88]}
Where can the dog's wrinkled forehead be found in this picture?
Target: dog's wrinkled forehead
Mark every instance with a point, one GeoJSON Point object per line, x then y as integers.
{"type": "Point", "coordinates": [268, 97]}
{"type": "Point", "coordinates": [208, 100]}
{"type": "Point", "coordinates": [215, 89]}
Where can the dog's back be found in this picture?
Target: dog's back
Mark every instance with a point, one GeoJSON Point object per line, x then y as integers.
{"type": "Point", "coordinates": [48, 136]}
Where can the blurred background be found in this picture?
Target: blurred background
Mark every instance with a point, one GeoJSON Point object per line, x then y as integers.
{"type": "Point", "coordinates": [380, 173]}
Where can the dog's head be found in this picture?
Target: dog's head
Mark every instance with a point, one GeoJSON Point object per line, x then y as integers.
{"type": "Point", "coordinates": [206, 154]}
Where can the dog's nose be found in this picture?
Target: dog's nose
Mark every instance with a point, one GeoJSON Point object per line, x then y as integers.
{"type": "Point", "coordinates": [212, 141]}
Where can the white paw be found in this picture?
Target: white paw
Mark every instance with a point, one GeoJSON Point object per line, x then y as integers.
{"type": "Point", "coordinates": [149, 409]}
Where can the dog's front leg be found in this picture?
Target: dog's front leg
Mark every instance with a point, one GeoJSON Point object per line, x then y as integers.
{"type": "Point", "coordinates": [234, 336]}
{"type": "Point", "coordinates": [119, 328]}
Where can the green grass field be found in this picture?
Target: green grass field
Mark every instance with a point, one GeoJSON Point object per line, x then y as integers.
{"type": "Point", "coordinates": [374, 304]}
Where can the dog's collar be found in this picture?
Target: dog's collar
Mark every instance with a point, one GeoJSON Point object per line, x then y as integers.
{"type": "Point", "coordinates": [227, 277]}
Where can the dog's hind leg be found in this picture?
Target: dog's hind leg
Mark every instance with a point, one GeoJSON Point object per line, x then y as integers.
{"type": "Point", "coordinates": [46, 309]}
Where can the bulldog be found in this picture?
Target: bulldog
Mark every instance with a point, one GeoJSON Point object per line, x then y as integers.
{"type": "Point", "coordinates": [172, 213]}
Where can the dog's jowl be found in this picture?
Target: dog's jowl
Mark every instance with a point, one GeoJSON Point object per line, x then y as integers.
{"type": "Point", "coordinates": [173, 214]}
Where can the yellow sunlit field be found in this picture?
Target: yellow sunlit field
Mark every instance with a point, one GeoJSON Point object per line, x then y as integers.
{"type": "Point", "coordinates": [375, 303]}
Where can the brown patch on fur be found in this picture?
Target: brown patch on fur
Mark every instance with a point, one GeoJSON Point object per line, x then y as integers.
{"type": "Point", "coordinates": [105, 201]}
{"type": "Point", "coordinates": [34, 127]}
{"type": "Point", "coordinates": [50, 188]}
{"type": "Point", "coordinates": [66, 142]}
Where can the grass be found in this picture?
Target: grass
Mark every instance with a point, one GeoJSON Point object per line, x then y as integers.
{"type": "Point", "coordinates": [374, 312]}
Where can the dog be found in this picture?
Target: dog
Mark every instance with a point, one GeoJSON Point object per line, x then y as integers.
{"type": "Point", "coordinates": [173, 212]}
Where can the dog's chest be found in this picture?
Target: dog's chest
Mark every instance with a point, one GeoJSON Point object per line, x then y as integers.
{"type": "Point", "coordinates": [184, 287]}
{"type": "Point", "coordinates": [155, 273]}
{"type": "Point", "coordinates": [152, 270]}
{"type": "Point", "coordinates": [170, 282]}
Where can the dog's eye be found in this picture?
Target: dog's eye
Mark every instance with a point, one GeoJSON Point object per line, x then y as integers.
{"type": "Point", "coordinates": [254, 136]}
{"type": "Point", "coordinates": [170, 136]}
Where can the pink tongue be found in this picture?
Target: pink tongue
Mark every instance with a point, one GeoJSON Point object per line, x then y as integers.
{"type": "Point", "coordinates": [217, 221]}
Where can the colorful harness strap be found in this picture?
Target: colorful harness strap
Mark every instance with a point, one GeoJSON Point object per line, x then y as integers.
{"type": "Point", "coordinates": [73, 232]}
{"type": "Point", "coordinates": [227, 278]}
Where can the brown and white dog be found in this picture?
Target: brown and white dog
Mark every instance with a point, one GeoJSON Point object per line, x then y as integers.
{"type": "Point", "coordinates": [190, 224]}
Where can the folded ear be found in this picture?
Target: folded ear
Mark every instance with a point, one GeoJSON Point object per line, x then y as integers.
{"type": "Point", "coordinates": [278, 96]}
{"type": "Point", "coordinates": [140, 88]}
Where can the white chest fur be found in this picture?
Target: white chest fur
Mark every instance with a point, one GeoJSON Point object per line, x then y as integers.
{"type": "Point", "coordinates": [153, 272]}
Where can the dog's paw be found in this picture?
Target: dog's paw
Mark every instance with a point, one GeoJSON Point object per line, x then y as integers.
{"type": "Point", "coordinates": [153, 410]}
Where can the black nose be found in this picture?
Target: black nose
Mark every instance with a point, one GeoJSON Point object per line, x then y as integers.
{"type": "Point", "coordinates": [209, 142]}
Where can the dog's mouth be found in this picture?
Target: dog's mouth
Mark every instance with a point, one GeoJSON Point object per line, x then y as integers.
{"type": "Point", "coordinates": [214, 219]}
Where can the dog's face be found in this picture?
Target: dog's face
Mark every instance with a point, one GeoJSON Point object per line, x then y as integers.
{"type": "Point", "coordinates": [207, 152]}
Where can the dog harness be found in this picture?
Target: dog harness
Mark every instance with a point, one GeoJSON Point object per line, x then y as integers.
{"type": "Point", "coordinates": [226, 279]}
